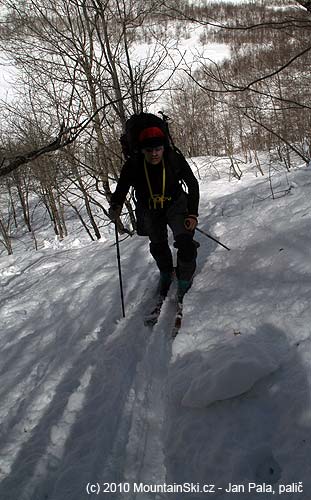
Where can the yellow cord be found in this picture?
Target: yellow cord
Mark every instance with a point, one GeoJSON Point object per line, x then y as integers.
{"type": "Point", "coordinates": [156, 198]}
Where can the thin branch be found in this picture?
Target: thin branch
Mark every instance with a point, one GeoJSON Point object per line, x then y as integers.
{"type": "Point", "coordinates": [290, 22]}
{"type": "Point", "coordinates": [238, 88]}
{"type": "Point", "coordinates": [273, 73]}
{"type": "Point", "coordinates": [293, 148]}
{"type": "Point", "coordinates": [306, 4]}
{"type": "Point", "coordinates": [65, 137]}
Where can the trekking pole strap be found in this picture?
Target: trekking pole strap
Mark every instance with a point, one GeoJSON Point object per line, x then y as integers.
{"type": "Point", "coordinates": [211, 237]}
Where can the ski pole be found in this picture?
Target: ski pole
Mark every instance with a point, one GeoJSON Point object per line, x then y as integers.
{"type": "Point", "coordinates": [119, 267]}
{"type": "Point", "coordinates": [211, 237]}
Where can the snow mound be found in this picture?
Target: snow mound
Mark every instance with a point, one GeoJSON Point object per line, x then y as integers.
{"type": "Point", "coordinates": [226, 370]}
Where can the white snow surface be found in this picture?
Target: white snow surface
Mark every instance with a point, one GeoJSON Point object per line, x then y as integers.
{"type": "Point", "coordinates": [91, 400]}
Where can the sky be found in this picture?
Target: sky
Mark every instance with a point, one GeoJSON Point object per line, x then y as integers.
{"type": "Point", "coordinates": [7, 76]}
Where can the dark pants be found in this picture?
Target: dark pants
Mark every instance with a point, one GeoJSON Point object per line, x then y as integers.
{"type": "Point", "coordinates": [155, 222]}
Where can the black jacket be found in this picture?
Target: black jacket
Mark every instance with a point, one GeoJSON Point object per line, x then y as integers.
{"type": "Point", "coordinates": [177, 170]}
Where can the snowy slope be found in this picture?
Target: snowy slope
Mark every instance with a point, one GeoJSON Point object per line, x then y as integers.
{"type": "Point", "coordinates": [89, 398]}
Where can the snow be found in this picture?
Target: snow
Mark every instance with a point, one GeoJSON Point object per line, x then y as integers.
{"type": "Point", "coordinates": [226, 371]}
{"type": "Point", "coordinates": [89, 397]}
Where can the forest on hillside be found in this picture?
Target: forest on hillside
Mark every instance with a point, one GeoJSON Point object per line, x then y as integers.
{"type": "Point", "coordinates": [85, 66]}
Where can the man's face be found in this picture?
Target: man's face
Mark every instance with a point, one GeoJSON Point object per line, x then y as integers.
{"type": "Point", "coordinates": [153, 155]}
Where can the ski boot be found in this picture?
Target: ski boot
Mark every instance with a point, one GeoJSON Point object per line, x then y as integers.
{"type": "Point", "coordinates": [166, 279]}
{"type": "Point", "coordinates": [182, 288]}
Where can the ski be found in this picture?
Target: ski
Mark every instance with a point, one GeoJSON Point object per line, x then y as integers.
{"type": "Point", "coordinates": [152, 317]}
{"type": "Point", "coordinates": [178, 319]}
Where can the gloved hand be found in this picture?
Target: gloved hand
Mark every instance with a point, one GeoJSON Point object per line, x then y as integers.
{"type": "Point", "coordinates": [191, 222]}
{"type": "Point", "coordinates": [114, 212]}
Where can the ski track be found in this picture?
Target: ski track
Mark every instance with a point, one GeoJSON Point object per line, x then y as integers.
{"type": "Point", "coordinates": [137, 450]}
{"type": "Point", "coordinates": [130, 449]}
{"type": "Point", "coordinates": [145, 458]}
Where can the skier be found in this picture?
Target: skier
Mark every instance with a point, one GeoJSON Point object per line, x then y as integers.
{"type": "Point", "coordinates": [156, 175]}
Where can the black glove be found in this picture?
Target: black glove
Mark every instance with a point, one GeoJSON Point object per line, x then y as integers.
{"type": "Point", "coordinates": [114, 212]}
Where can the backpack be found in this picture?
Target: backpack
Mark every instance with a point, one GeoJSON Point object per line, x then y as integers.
{"type": "Point", "coordinates": [130, 138]}
{"type": "Point", "coordinates": [134, 126]}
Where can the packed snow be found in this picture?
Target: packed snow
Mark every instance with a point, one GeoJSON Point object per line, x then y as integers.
{"type": "Point", "coordinates": [94, 404]}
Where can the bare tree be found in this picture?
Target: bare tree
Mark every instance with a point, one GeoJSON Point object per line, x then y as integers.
{"type": "Point", "coordinates": [79, 81]}
{"type": "Point", "coordinates": [263, 85]}
{"type": "Point", "coordinates": [6, 223]}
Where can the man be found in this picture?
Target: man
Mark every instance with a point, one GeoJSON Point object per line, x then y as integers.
{"type": "Point", "coordinates": [156, 175]}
